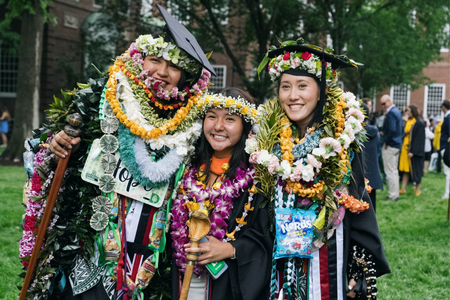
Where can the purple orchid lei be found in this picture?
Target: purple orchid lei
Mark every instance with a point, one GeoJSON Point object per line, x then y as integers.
{"type": "Point", "coordinates": [154, 84]}
{"type": "Point", "coordinates": [222, 198]}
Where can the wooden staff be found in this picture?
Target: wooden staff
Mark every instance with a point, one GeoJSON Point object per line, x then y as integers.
{"type": "Point", "coordinates": [199, 226]}
{"type": "Point", "coordinates": [72, 131]}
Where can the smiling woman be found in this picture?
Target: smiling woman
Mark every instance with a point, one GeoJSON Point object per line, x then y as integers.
{"type": "Point", "coordinates": [308, 159]}
{"type": "Point", "coordinates": [220, 184]}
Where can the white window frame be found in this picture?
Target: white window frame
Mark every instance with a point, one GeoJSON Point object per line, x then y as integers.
{"type": "Point", "coordinates": [6, 94]}
{"type": "Point", "coordinates": [425, 97]}
{"type": "Point", "coordinates": [408, 95]}
{"type": "Point", "coordinates": [224, 81]}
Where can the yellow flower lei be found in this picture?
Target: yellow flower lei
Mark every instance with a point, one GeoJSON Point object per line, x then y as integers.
{"type": "Point", "coordinates": [170, 125]}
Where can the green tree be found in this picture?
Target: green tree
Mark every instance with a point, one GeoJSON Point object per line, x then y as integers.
{"type": "Point", "coordinates": [34, 15]}
{"type": "Point", "coordinates": [395, 39]}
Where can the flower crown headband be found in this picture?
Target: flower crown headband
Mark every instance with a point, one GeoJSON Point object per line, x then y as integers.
{"type": "Point", "coordinates": [147, 45]}
{"type": "Point", "coordinates": [237, 105]}
{"type": "Point", "coordinates": [303, 61]}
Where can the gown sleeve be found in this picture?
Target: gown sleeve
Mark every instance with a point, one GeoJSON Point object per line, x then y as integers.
{"type": "Point", "coordinates": [417, 144]}
{"type": "Point", "coordinates": [362, 229]}
{"type": "Point", "coordinates": [248, 276]}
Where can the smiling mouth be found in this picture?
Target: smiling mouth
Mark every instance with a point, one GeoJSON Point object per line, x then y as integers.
{"type": "Point", "coordinates": [163, 82]}
{"type": "Point", "coordinates": [219, 137]}
{"type": "Point", "coordinates": [296, 106]}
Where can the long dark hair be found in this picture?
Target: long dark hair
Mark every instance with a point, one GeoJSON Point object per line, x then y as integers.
{"type": "Point", "coordinates": [239, 158]}
{"type": "Point", "coordinates": [415, 112]}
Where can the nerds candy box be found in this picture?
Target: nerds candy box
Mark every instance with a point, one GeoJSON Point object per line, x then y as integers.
{"type": "Point", "coordinates": [294, 232]}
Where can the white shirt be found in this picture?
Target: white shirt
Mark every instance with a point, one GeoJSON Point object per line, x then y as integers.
{"type": "Point", "coordinates": [428, 137]}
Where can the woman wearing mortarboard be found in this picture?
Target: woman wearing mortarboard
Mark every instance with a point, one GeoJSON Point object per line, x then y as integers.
{"type": "Point", "coordinates": [107, 233]}
{"type": "Point", "coordinates": [309, 161]}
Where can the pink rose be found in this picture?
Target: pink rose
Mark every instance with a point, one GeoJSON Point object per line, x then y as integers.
{"type": "Point", "coordinates": [273, 165]}
{"type": "Point", "coordinates": [297, 175]}
{"type": "Point", "coordinates": [306, 55]}
{"type": "Point", "coordinates": [254, 157]}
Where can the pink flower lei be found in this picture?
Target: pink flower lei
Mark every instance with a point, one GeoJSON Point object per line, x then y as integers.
{"type": "Point", "coordinates": [222, 198]}
{"type": "Point", "coordinates": [36, 203]}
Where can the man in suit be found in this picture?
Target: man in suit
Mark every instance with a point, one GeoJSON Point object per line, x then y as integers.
{"type": "Point", "coordinates": [445, 134]}
{"type": "Point", "coordinates": [392, 133]}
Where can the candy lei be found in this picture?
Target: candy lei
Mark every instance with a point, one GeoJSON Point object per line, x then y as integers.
{"type": "Point", "coordinates": [220, 199]}
{"type": "Point", "coordinates": [135, 125]}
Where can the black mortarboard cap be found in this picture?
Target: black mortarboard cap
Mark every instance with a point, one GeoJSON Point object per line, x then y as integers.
{"type": "Point", "coordinates": [185, 40]}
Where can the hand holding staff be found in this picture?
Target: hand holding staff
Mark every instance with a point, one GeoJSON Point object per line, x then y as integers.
{"type": "Point", "coordinates": [199, 227]}
{"type": "Point", "coordinates": [73, 131]}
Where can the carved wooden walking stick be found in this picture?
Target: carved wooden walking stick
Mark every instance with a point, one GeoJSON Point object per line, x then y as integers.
{"type": "Point", "coordinates": [71, 130]}
{"type": "Point", "coordinates": [199, 226]}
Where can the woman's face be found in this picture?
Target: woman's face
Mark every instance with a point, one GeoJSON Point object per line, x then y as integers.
{"type": "Point", "coordinates": [298, 97]}
{"type": "Point", "coordinates": [409, 113]}
{"type": "Point", "coordinates": [222, 130]}
{"type": "Point", "coordinates": [163, 70]}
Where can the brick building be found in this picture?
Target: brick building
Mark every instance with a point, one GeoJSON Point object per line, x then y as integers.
{"type": "Point", "coordinates": [427, 98]}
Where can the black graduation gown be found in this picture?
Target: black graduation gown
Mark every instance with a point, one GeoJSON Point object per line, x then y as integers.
{"type": "Point", "coordinates": [417, 148]}
{"type": "Point", "coordinates": [362, 229]}
{"type": "Point", "coordinates": [247, 276]}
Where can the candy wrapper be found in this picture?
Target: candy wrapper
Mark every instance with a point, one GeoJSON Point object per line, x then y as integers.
{"type": "Point", "coordinates": [145, 273]}
{"type": "Point", "coordinates": [158, 229]}
{"type": "Point", "coordinates": [294, 232]}
{"type": "Point", "coordinates": [111, 245]}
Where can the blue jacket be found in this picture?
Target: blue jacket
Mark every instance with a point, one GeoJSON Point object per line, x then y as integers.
{"type": "Point", "coordinates": [445, 132]}
{"type": "Point", "coordinates": [393, 128]}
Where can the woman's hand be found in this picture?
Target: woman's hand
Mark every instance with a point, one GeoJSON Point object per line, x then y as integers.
{"type": "Point", "coordinates": [213, 250]}
{"type": "Point", "coordinates": [62, 141]}
{"type": "Point", "coordinates": [410, 155]}
{"type": "Point", "coordinates": [351, 285]}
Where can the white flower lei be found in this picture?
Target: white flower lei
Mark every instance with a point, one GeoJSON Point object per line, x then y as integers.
{"type": "Point", "coordinates": [328, 147]}
{"type": "Point", "coordinates": [181, 140]}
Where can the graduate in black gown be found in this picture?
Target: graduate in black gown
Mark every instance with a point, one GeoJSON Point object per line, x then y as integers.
{"type": "Point", "coordinates": [243, 241]}
{"type": "Point", "coordinates": [416, 152]}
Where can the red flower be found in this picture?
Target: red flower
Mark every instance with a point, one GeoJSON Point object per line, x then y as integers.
{"type": "Point", "coordinates": [306, 55]}
{"type": "Point", "coordinates": [188, 92]}
{"type": "Point", "coordinates": [156, 85]}
{"type": "Point", "coordinates": [321, 64]}
{"type": "Point", "coordinates": [136, 80]}
{"type": "Point", "coordinates": [29, 223]}
{"type": "Point", "coordinates": [175, 106]}
{"type": "Point", "coordinates": [147, 91]}
{"type": "Point", "coordinates": [286, 56]}
{"type": "Point", "coordinates": [165, 107]}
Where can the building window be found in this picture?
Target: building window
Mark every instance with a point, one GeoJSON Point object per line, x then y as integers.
{"type": "Point", "coordinates": [146, 8]}
{"type": "Point", "coordinates": [218, 82]}
{"type": "Point", "coordinates": [401, 95]}
{"type": "Point", "coordinates": [434, 95]}
{"type": "Point", "coordinates": [8, 73]}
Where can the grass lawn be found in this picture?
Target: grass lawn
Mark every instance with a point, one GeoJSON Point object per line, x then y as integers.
{"type": "Point", "coordinates": [12, 180]}
{"type": "Point", "coordinates": [415, 232]}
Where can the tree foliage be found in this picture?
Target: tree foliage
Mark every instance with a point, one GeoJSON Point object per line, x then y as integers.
{"type": "Point", "coordinates": [395, 39]}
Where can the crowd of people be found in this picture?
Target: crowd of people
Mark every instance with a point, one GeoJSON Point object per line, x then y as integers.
{"type": "Point", "coordinates": [284, 205]}
{"type": "Point", "coordinates": [401, 145]}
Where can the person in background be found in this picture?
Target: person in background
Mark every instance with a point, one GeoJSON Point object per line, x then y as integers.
{"type": "Point", "coordinates": [445, 134]}
{"type": "Point", "coordinates": [372, 147]}
{"type": "Point", "coordinates": [5, 117]}
{"type": "Point", "coordinates": [429, 135]}
{"type": "Point", "coordinates": [412, 155]}
{"type": "Point", "coordinates": [370, 115]}
{"type": "Point", "coordinates": [392, 134]}
{"type": "Point", "coordinates": [437, 145]}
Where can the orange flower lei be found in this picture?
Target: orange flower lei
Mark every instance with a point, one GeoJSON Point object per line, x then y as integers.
{"type": "Point", "coordinates": [352, 204]}
{"type": "Point", "coordinates": [170, 125]}
{"type": "Point", "coordinates": [148, 92]}
{"type": "Point", "coordinates": [286, 146]}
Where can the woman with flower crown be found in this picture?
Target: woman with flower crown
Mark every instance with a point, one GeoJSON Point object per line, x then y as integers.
{"type": "Point", "coordinates": [107, 236]}
{"type": "Point", "coordinates": [220, 183]}
{"type": "Point", "coordinates": [308, 159]}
